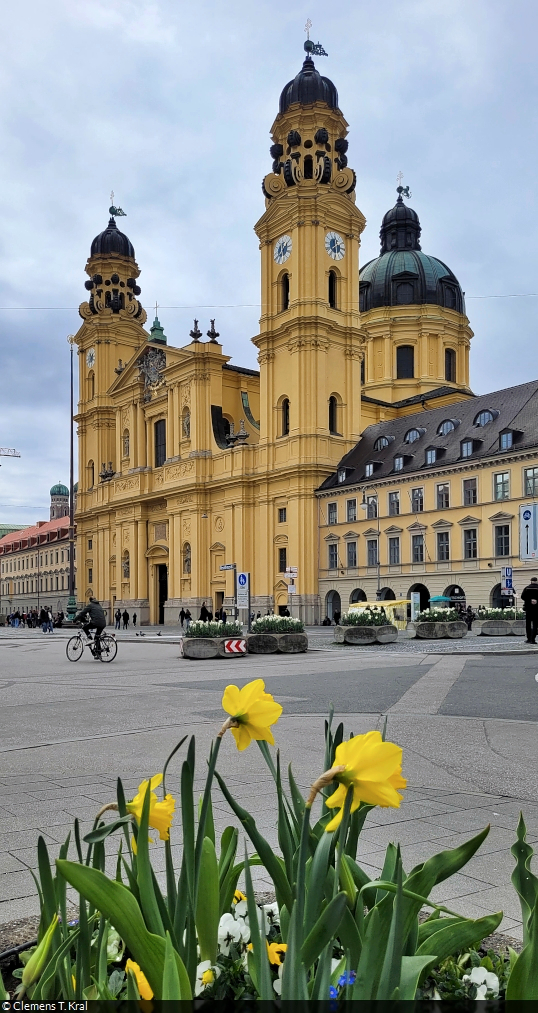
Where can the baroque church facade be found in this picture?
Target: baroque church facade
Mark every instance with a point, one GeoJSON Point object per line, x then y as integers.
{"type": "Point", "coordinates": [188, 462]}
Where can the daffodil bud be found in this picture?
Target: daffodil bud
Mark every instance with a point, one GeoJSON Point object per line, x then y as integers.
{"type": "Point", "coordinates": [37, 963]}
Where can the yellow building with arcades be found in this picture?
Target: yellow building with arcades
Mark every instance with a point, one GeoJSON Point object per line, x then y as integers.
{"type": "Point", "coordinates": [187, 461]}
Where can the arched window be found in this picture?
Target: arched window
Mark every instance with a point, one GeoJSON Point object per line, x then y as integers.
{"type": "Point", "coordinates": [357, 595]}
{"type": "Point", "coordinates": [412, 435]}
{"type": "Point", "coordinates": [450, 365]}
{"type": "Point", "coordinates": [381, 442]}
{"type": "Point", "coordinates": [446, 427]}
{"type": "Point", "coordinates": [126, 443]}
{"type": "Point", "coordinates": [285, 416]}
{"type": "Point", "coordinates": [405, 362]}
{"type": "Point", "coordinates": [332, 290]}
{"type": "Point", "coordinates": [308, 167]}
{"type": "Point", "coordinates": [333, 414]}
{"type": "Point", "coordinates": [91, 385]}
{"type": "Point", "coordinates": [126, 565]}
{"type": "Point", "coordinates": [91, 474]}
{"type": "Point", "coordinates": [284, 292]}
{"type": "Point", "coordinates": [484, 418]}
{"type": "Point", "coordinates": [187, 557]}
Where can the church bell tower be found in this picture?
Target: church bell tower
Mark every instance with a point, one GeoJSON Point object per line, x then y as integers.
{"type": "Point", "coordinates": [309, 342]}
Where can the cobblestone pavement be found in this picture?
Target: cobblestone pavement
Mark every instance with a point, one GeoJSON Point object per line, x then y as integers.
{"type": "Point", "coordinates": [467, 727]}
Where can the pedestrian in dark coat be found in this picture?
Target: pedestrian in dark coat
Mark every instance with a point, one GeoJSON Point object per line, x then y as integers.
{"type": "Point", "coordinates": [204, 613]}
{"type": "Point", "coordinates": [529, 597]}
{"type": "Point", "coordinates": [125, 617]}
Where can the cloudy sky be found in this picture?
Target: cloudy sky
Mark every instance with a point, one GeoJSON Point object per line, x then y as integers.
{"type": "Point", "coordinates": [169, 103]}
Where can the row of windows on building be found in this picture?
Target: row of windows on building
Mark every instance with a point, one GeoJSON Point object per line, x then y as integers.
{"type": "Point", "coordinates": [469, 496]}
{"type": "Point", "coordinates": [332, 291]}
{"type": "Point", "coordinates": [501, 547]}
{"type": "Point", "coordinates": [31, 562]}
{"type": "Point", "coordinates": [32, 585]}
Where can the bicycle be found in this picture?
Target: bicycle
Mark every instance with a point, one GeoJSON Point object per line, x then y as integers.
{"type": "Point", "coordinates": [108, 647]}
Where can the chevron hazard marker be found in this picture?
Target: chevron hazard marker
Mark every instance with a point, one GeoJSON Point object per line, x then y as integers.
{"type": "Point", "coordinates": [235, 647]}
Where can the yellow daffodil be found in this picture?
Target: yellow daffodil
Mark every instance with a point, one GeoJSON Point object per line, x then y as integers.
{"type": "Point", "coordinates": [160, 813]}
{"type": "Point", "coordinates": [274, 952]}
{"type": "Point", "coordinates": [252, 711]}
{"type": "Point", "coordinates": [142, 982]}
{"type": "Point", "coordinates": [238, 896]}
{"type": "Point", "coordinates": [372, 768]}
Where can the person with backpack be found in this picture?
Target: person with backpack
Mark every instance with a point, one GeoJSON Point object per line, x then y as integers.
{"type": "Point", "coordinates": [529, 597]}
{"type": "Point", "coordinates": [117, 617]}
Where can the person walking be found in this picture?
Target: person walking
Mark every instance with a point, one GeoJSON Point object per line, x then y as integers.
{"type": "Point", "coordinates": [204, 613]}
{"type": "Point", "coordinates": [529, 597]}
{"type": "Point", "coordinates": [43, 619]}
{"type": "Point", "coordinates": [182, 614]}
{"type": "Point", "coordinates": [223, 615]}
{"type": "Point", "coordinates": [134, 619]}
{"type": "Point", "coordinates": [336, 616]}
{"type": "Point", "coordinates": [125, 617]}
{"type": "Point", "coordinates": [117, 617]}
{"type": "Point", "coordinates": [95, 619]}
{"type": "Point", "coordinates": [50, 624]}
{"type": "Point", "coordinates": [188, 618]}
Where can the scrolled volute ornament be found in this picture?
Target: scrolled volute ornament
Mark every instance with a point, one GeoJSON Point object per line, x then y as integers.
{"type": "Point", "coordinates": [345, 180]}
{"type": "Point", "coordinates": [273, 186]}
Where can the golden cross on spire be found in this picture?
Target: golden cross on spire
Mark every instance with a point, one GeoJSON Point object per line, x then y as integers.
{"type": "Point", "coordinates": [111, 196]}
{"type": "Point", "coordinates": [399, 178]}
{"type": "Point", "coordinates": [307, 27]}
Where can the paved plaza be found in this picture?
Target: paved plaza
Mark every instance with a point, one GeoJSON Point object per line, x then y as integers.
{"type": "Point", "coordinates": [465, 717]}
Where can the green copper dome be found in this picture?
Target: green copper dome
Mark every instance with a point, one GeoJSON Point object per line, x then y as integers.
{"type": "Point", "coordinates": [59, 490]}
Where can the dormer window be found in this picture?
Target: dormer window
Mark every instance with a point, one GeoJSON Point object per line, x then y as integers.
{"type": "Point", "coordinates": [412, 435]}
{"type": "Point", "coordinates": [466, 448]}
{"type": "Point", "coordinates": [446, 427]}
{"type": "Point", "coordinates": [381, 443]}
{"type": "Point", "coordinates": [485, 417]}
{"type": "Point", "coordinates": [369, 469]}
{"type": "Point", "coordinates": [506, 440]}
{"type": "Point", "coordinates": [342, 475]}
{"type": "Point", "coordinates": [431, 455]}
{"type": "Point", "coordinates": [398, 463]}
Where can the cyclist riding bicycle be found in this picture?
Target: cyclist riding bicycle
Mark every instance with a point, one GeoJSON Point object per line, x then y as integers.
{"type": "Point", "coordinates": [96, 620]}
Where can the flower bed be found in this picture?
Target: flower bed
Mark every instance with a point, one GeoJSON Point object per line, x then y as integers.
{"type": "Point", "coordinates": [334, 932]}
{"type": "Point", "coordinates": [507, 615]}
{"type": "Point", "coordinates": [273, 643]}
{"type": "Point", "coordinates": [438, 616]}
{"type": "Point", "coordinates": [361, 634]}
{"type": "Point", "coordinates": [277, 624]}
{"type": "Point", "coordinates": [500, 622]}
{"type": "Point", "coordinates": [215, 628]}
{"type": "Point", "coordinates": [374, 615]}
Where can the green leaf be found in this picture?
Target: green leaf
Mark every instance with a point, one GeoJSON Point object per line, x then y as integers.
{"type": "Point", "coordinates": [187, 818]}
{"type": "Point", "coordinates": [523, 879]}
{"type": "Point", "coordinates": [392, 963]}
{"type": "Point", "coordinates": [228, 850]}
{"type": "Point", "coordinates": [171, 988]}
{"type": "Point", "coordinates": [284, 833]}
{"type": "Point", "coordinates": [349, 936]}
{"type": "Point", "coordinates": [117, 904]}
{"type": "Point", "coordinates": [259, 944]}
{"type": "Point", "coordinates": [4, 995]}
{"type": "Point", "coordinates": [412, 968]}
{"type": "Point", "coordinates": [317, 878]}
{"type": "Point", "coordinates": [105, 829]}
{"type": "Point", "coordinates": [389, 869]}
{"type": "Point", "coordinates": [347, 882]}
{"type": "Point", "coordinates": [433, 924]}
{"type": "Point", "coordinates": [454, 937]}
{"type": "Point", "coordinates": [263, 848]}
{"type": "Point", "coordinates": [207, 903]}
{"type": "Point", "coordinates": [324, 930]}
{"type": "Point", "coordinates": [133, 995]}
{"type": "Point", "coordinates": [45, 988]}
{"type": "Point", "coordinates": [148, 900]}
{"type": "Point", "coordinates": [376, 934]}
{"type": "Point", "coordinates": [167, 761]}
{"type": "Point", "coordinates": [322, 980]}
{"type": "Point", "coordinates": [523, 981]}
{"type": "Point", "coordinates": [296, 797]}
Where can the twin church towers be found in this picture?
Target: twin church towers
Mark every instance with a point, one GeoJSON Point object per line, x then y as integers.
{"type": "Point", "coordinates": [186, 461]}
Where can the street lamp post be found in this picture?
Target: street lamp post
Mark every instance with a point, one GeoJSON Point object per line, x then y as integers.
{"type": "Point", "coordinates": [72, 600]}
{"type": "Point", "coordinates": [364, 506]}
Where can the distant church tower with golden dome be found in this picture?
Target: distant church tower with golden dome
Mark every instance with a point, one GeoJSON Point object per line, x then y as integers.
{"type": "Point", "coordinates": [188, 462]}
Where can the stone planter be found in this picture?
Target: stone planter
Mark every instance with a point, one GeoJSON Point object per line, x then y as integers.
{"type": "Point", "coordinates": [273, 643]}
{"type": "Point", "coordinates": [440, 631]}
{"type": "Point", "coordinates": [500, 627]}
{"type": "Point", "coordinates": [365, 634]}
{"type": "Point", "coordinates": [196, 648]}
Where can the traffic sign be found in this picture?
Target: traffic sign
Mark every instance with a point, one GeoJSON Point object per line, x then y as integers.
{"type": "Point", "coordinates": [228, 566]}
{"type": "Point", "coordinates": [528, 531]}
{"type": "Point", "coordinates": [235, 646]}
{"type": "Point", "coordinates": [243, 590]}
{"type": "Point", "coordinates": [292, 589]}
{"type": "Point", "coordinates": [292, 570]}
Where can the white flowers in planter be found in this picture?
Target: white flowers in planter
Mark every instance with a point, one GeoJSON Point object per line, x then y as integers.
{"type": "Point", "coordinates": [485, 982]}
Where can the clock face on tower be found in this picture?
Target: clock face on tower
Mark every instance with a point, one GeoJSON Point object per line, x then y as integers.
{"type": "Point", "coordinates": [90, 357]}
{"type": "Point", "coordinates": [335, 246]}
{"type": "Point", "coordinates": [282, 249]}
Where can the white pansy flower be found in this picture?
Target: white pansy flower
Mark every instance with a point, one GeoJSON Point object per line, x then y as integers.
{"type": "Point", "coordinates": [277, 984]}
{"type": "Point", "coordinates": [485, 981]}
{"type": "Point", "coordinates": [206, 974]}
{"type": "Point", "coordinates": [240, 909]}
{"type": "Point", "coordinates": [244, 929]}
{"type": "Point", "coordinates": [229, 932]}
{"type": "Point", "coordinates": [271, 915]}
{"type": "Point", "coordinates": [114, 946]}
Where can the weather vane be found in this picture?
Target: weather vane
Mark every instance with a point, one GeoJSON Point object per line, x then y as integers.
{"type": "Point", "coordinates": [314, 48]}
{"type": "Point", "coordinates": [403, 191]}
{"type": "Point", "coordinates": [114, 211]}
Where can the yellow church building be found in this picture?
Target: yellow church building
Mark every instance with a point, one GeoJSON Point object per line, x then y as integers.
{"type": "Point", "coordinates": [188, 462]}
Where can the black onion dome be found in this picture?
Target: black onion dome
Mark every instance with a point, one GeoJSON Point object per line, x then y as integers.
{"type": "Point", "coordinates": [307, 87]}
{"type": "Point", "coordinates": [112, 241]}
{"type": "Point", "coordinates": [404, 275]}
